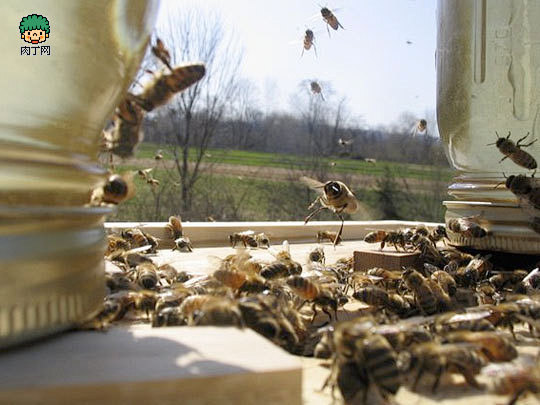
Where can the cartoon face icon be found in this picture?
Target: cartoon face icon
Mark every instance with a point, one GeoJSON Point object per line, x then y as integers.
{"type": "Point", "coordinates": [34, 29]}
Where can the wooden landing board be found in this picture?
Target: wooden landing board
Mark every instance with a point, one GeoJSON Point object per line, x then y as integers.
{"type": "Point", "coordinates": [140, 364]}
{"type": "Point", "coordinates": [367, 258]}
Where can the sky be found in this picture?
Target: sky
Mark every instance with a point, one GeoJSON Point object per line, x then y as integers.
{"type": "Point", "coordinates": [369, 62]}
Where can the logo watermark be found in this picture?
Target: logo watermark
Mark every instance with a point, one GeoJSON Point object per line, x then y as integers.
{"type": "Point", "coordinates": [35, 29]}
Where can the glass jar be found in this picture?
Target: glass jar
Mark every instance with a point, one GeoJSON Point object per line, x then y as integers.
{"type": "Point", "coordinates": [488, 82]}
{"type": "Point", "coordinates": [57, 96]}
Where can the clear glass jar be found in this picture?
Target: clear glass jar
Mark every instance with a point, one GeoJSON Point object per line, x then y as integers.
{"type": "Point", "coordinates": [55, 103]}
{"type": "Point", "coordinates": [488, 81]}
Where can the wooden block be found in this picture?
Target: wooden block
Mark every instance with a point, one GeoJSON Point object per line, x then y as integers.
{"type": "Point", "coordinates": [140, 364]}
{"type": "Point", "coordinates": [365, 259]}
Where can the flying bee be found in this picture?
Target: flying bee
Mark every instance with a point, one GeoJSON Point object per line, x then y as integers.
{"type": "Point", "coordinates": [158, 155]}
{"type": "Point", "coordinates": [336, 197]}
{"type": "Point", "coordinates": [174, 227]}
{"type": "Point", "coordinates": [316, 89]}
{"type": "Point", "coordinates": [420, 127]}
{"type": "Point", "coordinates": [166, 85]}
{"type": "Point", "coordinates": [494, 346]}
{"type": "Point", "coordinates": [247, 238]}
{"type": "Point", "coordinates": [317, 294]}
{"type": "Point", "coordinates": [466, 227]}
{"type": "Point", "coordinates": [116, 190]}
{"type": "Point", "coordinates": [435, 359]}
{"type": "Point", "coordinates": [328, 235]}
{"type": "Point", "coordinates": [183, 244]}
{"type": "Point", "coordinates": [513, 151]}
{"type": "Point", "coordinates": [345, 142]}
{"type": "Point", "coordinates": [309, 41]}
{"type": "Point", "coordinates": [330, 19]}
{"type": "Point", "coordinates": [126, 132]}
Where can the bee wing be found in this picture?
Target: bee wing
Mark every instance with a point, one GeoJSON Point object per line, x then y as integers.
{"type": "Point", "coordinates": [312, 183]}
{"type": "Point", "coordinates": [187, 75]}
{"type": "Point", "coordinates": [248, 232]}
{"type": "Point", "coordinates": [469, 316]}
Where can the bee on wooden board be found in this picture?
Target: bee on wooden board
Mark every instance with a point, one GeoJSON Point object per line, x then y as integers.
{"type": "Point", "coordinates": [126, 132]}
{"type": "Point", "coordinates": [317, 294]}
{"type": "Point", "coordinates": [174, 227]}
{"type": "Point", "coordinates": [247, 238]}
{"type": "Point", "coordinates": [515, 152]}
{"type": "Point", "coordinates": [328, 235]}
{"type": "Point", "coordinates": [467, 227]}
{"type": "Point", "coordinates": [335, 196]}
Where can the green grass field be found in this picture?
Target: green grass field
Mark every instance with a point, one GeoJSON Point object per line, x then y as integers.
{"type": "Point", "coordinates": [343, 165]}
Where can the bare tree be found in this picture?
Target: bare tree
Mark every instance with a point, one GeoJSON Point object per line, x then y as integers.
{"type": "Point", "coordinates": [192, 35]}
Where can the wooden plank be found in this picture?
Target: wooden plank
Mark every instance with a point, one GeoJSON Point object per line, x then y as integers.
{"type": "Point", "coordinates": [206, 234]}
{"type": "Point", "coordinates": [139, 364]}
{"type": "Point", "coordinates": [367, 258]}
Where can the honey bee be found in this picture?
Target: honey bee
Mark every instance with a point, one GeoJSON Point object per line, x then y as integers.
{"type": "Point", "coordinates": [336, 197]}
{"type": "Point", "coordinates": [493, 345]}
{"type": "Point", "coordinates": [527, 189]}
{"type": "Point", "coordinates": [401, 335]}
{"type": "Point", "coordinates": [183, 244]}
{"type": "Point", "coordinates": [116, 245]}
{"type": "Point", "coordinates": [283, 266]}
{"type": "Point", "coordinates": [116, 190]}
{"type": "Point", "coordinates": [446, 281]}
{"type": "Point", "coordinates": [168, 316]}
{"type": "Point", "coordinates": [275, 270]}
{"type": "Point", "coordinates": [316, 89]}
{"type": "Point", "coordinates": [174, 227]}
{"type": "Point", "coordinates": [317, 294]}
{"type": "Point", "coordinates": [146, 276]}
{"type": "Point", "coordinates": [231, 278]}
{"type": "Point", "coordinates": [472, 322]}
{"type": "Point", "coordinates": [158, 155]}
{"type": "Point", "coordinates": [474, 272]}
{"type": "Point", "coordinates": [126, 132]}
{"type": "Point", "coordinates": [419, 128]}
{"type": "Point", "coordinates": [513, 151]}
{"type": "Point", "coordinates": [426, 300]}
{"type": "Point", "coordinates": [507, 280]}
{"type": "Point", "coordinates": [145, 174]}
{"type": "Point", "coordinates": [316, 255]}
{"type": "Point", "coordinates": [219, 312]}
{"type": "Point", "coordinates": [247, 238]}
{"type": "Point", "coordinates": [532, 281]}
{"type": "Point", "coordinates": [262, 240]}
{"type": "Point", "coordinates": [395, 238]}
{"type": "Point", "coordinates": [328, 235]}
{"type": "Point", "coordinates": [375, 296]}
{"type": "Point", "coordinates": [427, 250]}
{"type": "Point", "coordinates": [435, 359]}
{"type": "Point", "coordinates": [110, 311]}
{"type": "Point", "coordinates": [389, 278]}
{"type": "Point", "coordinates": [330, 19]}
{"type": "Point", "coordinates": [438, 233]}
{"type": "Point", "coordinates": [515, 379]}
{"type": "Point", "coordinates": [192, 304]}
{"type": "Point", "coordinates": [140, 239]}
{"type": "Point", "coordinates": [466, 227]}
{"type": "Point", "coordinates": [309, 41]}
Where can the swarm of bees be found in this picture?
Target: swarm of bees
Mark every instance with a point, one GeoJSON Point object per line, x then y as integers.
{"type": "Point", "coordinates": [456, 314]}
{"type": "Point", "coordinates": [126, 131]}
